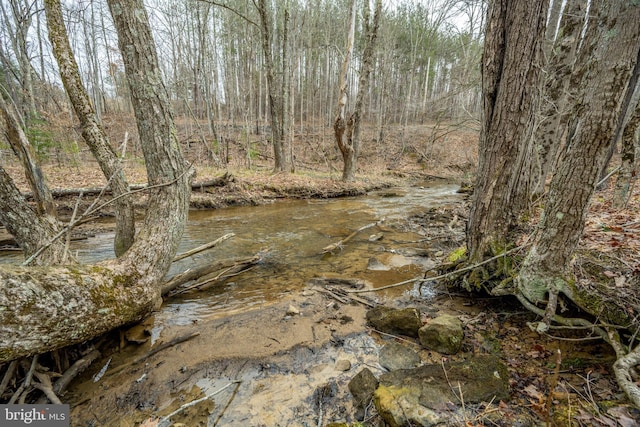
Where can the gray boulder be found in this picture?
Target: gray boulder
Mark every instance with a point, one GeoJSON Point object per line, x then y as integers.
{"type": "Point", "coordinates": [396, 356]}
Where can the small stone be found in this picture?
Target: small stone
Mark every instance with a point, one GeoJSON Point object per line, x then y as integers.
{"type": "Point", "coordinates": [292, 310]}
{"type": "Point", "coordinates": [343, 365]}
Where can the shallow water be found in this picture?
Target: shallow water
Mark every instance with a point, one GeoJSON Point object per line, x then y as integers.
{"type": "Point", "coordinates": [290, 236]}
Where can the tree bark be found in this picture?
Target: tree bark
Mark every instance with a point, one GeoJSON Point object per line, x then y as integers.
{"type": "Point", "coordinates": [627, 175]}
{"type": "Point", "coordinates": [510, 79]}
{"type": "Point", "coordinates": [24, 150]}
{"type": "Point", "coordinates": [558, 92]}
{"type": "Point", "coordinates": [276, 96]}
{"type": "Point", "coordinates": [31, 231]}
{"type": "Point", "coordinates": [347, 130]}
{"type": "Point", "coordinates": [605, 81]}
{"type": "Point", "coordinates": [92, 132]}
{"type": "Point", "coordinates": [42, 309]}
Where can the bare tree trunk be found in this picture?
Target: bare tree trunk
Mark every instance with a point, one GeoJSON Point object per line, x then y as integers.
{"type": "Point", "coordinates": [31, 231]}
{"type": "Point", "coordinates": [92, 132]}
{"type": "Point", "coordinates": [511, 56]}
{"type": "Point", "coordinates": [340, 123]}
{"type": "Point", "coordinates": [558, 92]}
{"type": "Point", "coordinates": [274, 88]}
{"type": "Point", "coordinates": [347, 131]}
{"type": "Point", "coordinates": [42, 309]}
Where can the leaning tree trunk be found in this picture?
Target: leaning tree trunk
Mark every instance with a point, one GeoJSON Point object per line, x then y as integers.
{"type": "Point", "coordinates": [24, 150]}
{"type": "Point", "coordinates": [92, 132]}
{"type": "Point", "coordinates": [605, 80]}
{"type": "Point", "coordinates": [510, 79]}
{"type": "Point", "coordinates": [45, 308]}
{"type": "Point", "coordinates": [34, 233]}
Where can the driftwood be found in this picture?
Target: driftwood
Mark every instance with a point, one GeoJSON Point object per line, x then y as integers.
{"type": "Point", "coordinates": [338, 245]}
{"type": "Point", "coordinates": [335, 288]}
{"type": "Point", "coordinates": [230, 266]}
{"type": "Point", "coordinates": [203, 247]}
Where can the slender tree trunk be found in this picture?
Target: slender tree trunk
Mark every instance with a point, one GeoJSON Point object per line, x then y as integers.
{"type": "Point", "coordinates": [92, 132]}
{"type": "Point", "coordinates": [275, 90]}
{"type": "Point", "coordinates": [24, 150]}
{"type": "Point", "coordinates": [340, 123]}
{"type": "Point", "coordinates": [510, 79]}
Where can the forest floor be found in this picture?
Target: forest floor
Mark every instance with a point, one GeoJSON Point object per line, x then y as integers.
{"type": "Point", "coordinates": [273, 363]}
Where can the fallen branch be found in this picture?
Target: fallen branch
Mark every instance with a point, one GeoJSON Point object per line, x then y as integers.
{"type": "Point", "coordinates": [339, 244]}
{"type": "Point", "coordinates": [25, 384]}
{"type": "Point", "coordinates": [442, 276]}
{"type": "Point", "coordinates": [74, 370]}
{"type": "Point", "coordinates": [45, 386]}
{"type": "Point", "coordinates": [158, 349]}
{"type": "Point", "coordinates": [202, 271]}
{"type": "Point", "coordinates": [8, 375]}
{"type": "Point", "coordinates": [203, 247]}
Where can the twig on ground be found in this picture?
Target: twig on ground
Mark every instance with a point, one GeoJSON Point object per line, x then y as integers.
{"type": "Point", "coordinates": [442, 276]}
{"type": "Point", "coordinates": [233, 395]}
{"type": "Point", "coordinates": [339, 244]}
{"type": "Point", "coordinates": [195, 402]}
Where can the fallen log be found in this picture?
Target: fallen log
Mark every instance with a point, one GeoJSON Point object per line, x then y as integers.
{"type": "Point", "coordinates": [94, 191]}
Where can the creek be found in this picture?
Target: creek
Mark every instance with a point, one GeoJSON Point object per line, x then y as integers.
{"type": "Point", "coordinates": [282, 367]}
{"type": "Point", "coordinates": [290, 235]}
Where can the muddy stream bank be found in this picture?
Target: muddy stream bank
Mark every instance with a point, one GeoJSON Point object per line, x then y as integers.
{"type": "Point", "coordinates": [272, 348]}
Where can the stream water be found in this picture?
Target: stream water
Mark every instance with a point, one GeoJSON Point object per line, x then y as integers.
{"type": "Point", "coordinates": [290, 236]}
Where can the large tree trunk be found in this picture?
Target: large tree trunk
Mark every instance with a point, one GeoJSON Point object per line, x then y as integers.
{"type": "Point", "coordinates": [510, 80]}
{"type": "Point", "coordinates": [42, 309]}
{"type": "Point", "coordinates": [557, 96]}
{"type": "Point", "coordinates": [92, 132]}
{"type": "Point", "coordinates": [605, 81]}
